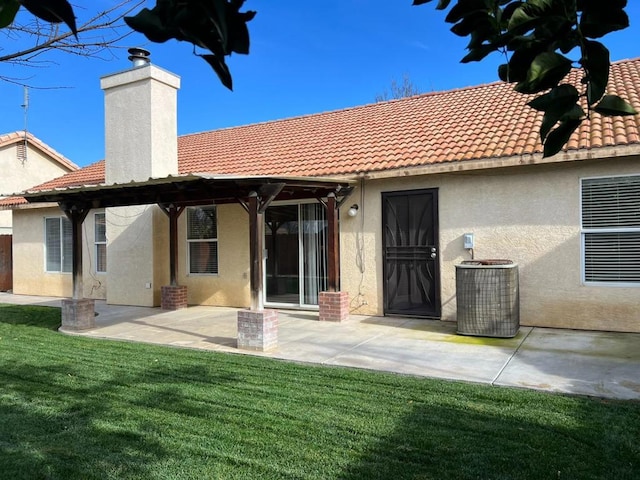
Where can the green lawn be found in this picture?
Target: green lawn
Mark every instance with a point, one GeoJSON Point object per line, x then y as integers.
{"type": "Point", "coordinates": [73, 407]}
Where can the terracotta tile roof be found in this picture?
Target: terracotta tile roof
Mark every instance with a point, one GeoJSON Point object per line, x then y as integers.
{"type": "Point", "coordinates": [483, 122]}
{"type": "Point", "coordinates": [16, 137]}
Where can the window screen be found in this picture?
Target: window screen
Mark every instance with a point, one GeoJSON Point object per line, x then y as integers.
{"type": "Point", "coordinates": [100, 239]}
{"type": "Point", "coordinates": [611, 229]}
{"type": "Point", "coordinates": [202, 239]}
{"type": "Point", "coordinates": [58, 244]}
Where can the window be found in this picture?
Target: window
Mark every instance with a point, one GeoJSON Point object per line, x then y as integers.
{"type": "Point", "coordinates": [611, 230]}
{"type": "Point", "coordinates": [100, 240]}
{"type": "Point", "coordinates": [58, 244]}
{"type": "Point", "coordinates": [202, 239]}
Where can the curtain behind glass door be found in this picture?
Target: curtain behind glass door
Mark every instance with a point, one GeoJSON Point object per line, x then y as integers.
{"type": "Point", "coordinates": [314, 251]}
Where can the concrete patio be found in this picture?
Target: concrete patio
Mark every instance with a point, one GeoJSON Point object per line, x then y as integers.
{"type": "Point", "coordinates": [601, 364]}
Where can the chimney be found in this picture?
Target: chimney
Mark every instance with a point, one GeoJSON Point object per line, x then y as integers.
{"type": "Point", "coordinates": [140, 143]}
{"type": "Point", "coordinates": [140, 121]}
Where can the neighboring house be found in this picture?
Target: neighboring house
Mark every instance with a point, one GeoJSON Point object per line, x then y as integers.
{"type": "Point", "coordinates": [429, 169]}
{"type": "Point", "coordinates": [24, 162]}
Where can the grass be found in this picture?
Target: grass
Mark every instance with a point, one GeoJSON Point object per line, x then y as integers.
{"type": "Point", "coordinates": [74, 407]}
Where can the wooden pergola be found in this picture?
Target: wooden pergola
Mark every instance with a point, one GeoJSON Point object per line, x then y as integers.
{"type": "Point", "coordinates": [174, 193]}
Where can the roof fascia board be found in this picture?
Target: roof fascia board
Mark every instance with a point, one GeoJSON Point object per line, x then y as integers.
{"type": "Point", "coordinates": [514, 161]}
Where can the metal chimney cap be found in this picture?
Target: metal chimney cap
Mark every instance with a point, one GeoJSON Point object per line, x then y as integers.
{"type": "Point", "coordinates": [139, 56]}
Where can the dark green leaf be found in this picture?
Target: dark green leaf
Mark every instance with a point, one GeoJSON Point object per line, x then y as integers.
{"type": "Point", "coordinates": [149, 23]}
{"type": "Point", "coordinates": [477, 54]}
{"type": "Point", "coordinates": [595, 60]}
{"type": "Point", "coordinates": [560, 98]}
{"type": "Point", "coordinates": [504, 73]}
{"type": "Point", "coordinates": [52, 11]}
{"type": "Point", "coordinates": [559, 137]}
{"type": "Point", "coordinates": [613, 105]}
{"type": "Point", "coordinates": [598, 23]}
{"type": "Point", "coordinates": [477, 22]}
{"type": "Point", "coordinates": [442, 4]}
{"type": "Point", "coordinates": [221, 69]}
{"type": "Point", "coordinates": [552, 117]}
{"type": "Point", "coordinates": [8, 10]}
{"type": "Point", "coordinates": [465, 8]}
{"type": "Point", "coordinates": [546, 71]}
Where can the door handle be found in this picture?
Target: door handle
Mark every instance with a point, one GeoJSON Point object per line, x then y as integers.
{"type": "Point", "coordinates": [433, 255]}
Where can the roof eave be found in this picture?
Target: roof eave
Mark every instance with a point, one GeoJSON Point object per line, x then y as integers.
{"type": "Point", "coordinates": [617, 151]}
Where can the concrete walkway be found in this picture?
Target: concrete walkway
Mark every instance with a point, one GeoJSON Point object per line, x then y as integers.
{"type": "Point", "coordinates": [568, 361]}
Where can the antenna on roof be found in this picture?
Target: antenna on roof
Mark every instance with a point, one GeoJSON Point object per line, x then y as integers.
{"type": "Point", "coordinates": [22, 152]}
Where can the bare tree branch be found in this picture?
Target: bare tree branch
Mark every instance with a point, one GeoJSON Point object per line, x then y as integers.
{"type": "Point", "coordinates": [398, 90]}
{"type": "Point", "coordinates": [97, 35]}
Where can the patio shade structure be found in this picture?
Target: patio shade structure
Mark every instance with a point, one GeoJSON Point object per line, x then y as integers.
{"type": "Point", "coordinates": [174, 193]}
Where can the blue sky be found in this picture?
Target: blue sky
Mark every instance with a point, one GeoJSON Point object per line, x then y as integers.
{"type": "Point", "coordinates": [306, 57]}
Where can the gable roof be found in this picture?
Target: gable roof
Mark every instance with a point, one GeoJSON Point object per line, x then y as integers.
{"type": "Point", "coordinates": [486, 122]}
{"type": "Point", "coordinates": [20, 136]}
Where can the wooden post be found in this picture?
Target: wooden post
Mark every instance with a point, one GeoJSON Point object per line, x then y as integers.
{"type": "Point", "coordinates": [76, 214]}
{"type": "Point", "coordinates": [256, 247]}
{"type": "Point", "coordinates": [173, 213]}
{"type": "Point", "coordinates": [333, 245]}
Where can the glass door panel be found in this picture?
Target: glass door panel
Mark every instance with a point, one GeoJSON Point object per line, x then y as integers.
{"type": "Point", "coordinates": [282, 264]}
{"type": "Point", "coordinates": [296, 263]}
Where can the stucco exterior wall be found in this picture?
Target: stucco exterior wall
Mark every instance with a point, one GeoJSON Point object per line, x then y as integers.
{"type": "Point", "coordinates": [231, 286]}
{"type": "Point", "coordinates": [22, 172]}
{"type": "Point", "coordinates": [29, 275]}
{"type": "Point", "coordinates": [530, 215]}
{"type": "Point", "coordinates": [131, 255]}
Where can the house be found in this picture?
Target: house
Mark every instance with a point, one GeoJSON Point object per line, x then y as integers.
{"type": "Point", "coordinates": [24, 161]}
{"type": "Point", "coordinates": [410, 179]}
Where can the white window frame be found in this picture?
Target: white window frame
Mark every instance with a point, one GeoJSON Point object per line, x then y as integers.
{"type": "Point", "coordinates": [585, 231]}
{"type": "Point", "coordinates": [102, 242]}
{"type": "Point", "coordinates": [211, 240]}
{"type": "Point", "coordinates": [61, 220]}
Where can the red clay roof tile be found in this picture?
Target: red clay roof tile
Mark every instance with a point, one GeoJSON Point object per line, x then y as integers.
{"type": "Point", "coordinates": [482, 122]}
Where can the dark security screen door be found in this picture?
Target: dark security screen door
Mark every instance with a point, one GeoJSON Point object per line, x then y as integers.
{"type": "Point", "coordinates": [410, 241]}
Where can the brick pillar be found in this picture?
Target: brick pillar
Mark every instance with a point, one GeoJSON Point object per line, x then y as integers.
{"type": "Point", "coordinates": [257, 330]}
{"type": "Point", "coordinates": [334, 306]}
{"type": "Point", "coordinates": [173, 297]}
{"type": "Point", "coordinates": [78, 314]}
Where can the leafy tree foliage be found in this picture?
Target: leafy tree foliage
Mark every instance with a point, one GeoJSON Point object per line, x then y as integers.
{"type": "Point", "coordinates": [537, 37]}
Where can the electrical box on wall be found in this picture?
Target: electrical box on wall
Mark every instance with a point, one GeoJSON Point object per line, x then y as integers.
{"type": "Point", "coordinates": [467, 239]}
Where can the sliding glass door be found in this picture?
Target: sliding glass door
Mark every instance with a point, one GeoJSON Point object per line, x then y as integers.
{"type": "Point", "coordinates": [296, 261]}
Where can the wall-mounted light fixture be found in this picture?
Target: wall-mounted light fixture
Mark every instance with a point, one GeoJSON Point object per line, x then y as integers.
{"type": "Point", "coordinates": [353, 210]}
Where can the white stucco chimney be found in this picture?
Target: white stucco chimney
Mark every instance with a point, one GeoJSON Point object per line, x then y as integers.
{"type": "Point", "coordinates": [140, 121]}
{"type": "Point", "coordinates": [141, 142]}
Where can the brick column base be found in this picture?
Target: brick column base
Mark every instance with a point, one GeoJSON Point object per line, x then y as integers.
{"type": "Point", "coordinates": [334, 306]}
{"type": "Point", "coordinates": [257, 330]}
{"type": "Point", "coordinates": [173, 297]}
{"type": "Point", "coordinates": [78, 314]}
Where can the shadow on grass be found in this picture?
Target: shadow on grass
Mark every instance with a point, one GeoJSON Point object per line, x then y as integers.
{"type": "Point", "coordinates": [54, 425]}
{"type": "Point", "coordinates": [30, 315]}
{"type": "Point", "coordinates": [441, 442]}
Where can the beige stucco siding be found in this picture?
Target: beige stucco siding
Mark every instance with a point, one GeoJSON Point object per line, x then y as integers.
{"type": "Point", "coordinates": [20, 172]}
{"type": "Point", "coordinates": [530, 215]}
{"type": "Point", "coordinates": [231, 286]}
{"type": "Point", "coordinates": [29, 275]}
